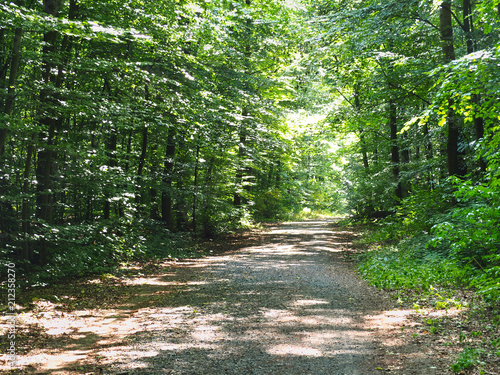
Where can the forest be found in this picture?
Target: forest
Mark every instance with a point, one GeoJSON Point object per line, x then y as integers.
{"type": "Point", "coordinates": [129, 127]}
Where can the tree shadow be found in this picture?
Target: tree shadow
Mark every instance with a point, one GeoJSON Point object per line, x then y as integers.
{"type": "Point", "coordinates": [284, 304]}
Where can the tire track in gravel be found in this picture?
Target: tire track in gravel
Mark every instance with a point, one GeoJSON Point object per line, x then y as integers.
{"type": "Point", "coordinates": [289, 305]}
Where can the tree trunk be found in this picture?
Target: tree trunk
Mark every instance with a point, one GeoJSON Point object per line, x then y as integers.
{"type": "Point", "coordinates": [111, 154]}
{"type": "Point", "coordinates": [278, 174]}
{"type": "Point", "coordinates": [364, 152]}
{"type": "Point", "coordinates": [239, 173]}
{"type": "Point", "coordinates": [154, 210]}
{"type": "Point", "coordinates": [237, 199]}
{"type": "Point", "coordinates": [466, 11]}
{"type": "Point", "coordinates": [476, 99]}
{"type": "Point", "coordinates": [8, 222]}
{"type": "Point", "coordinates": [429, 154]}
{"type": "Point", "coordinates": [142, 158]}
{"type": "Point", "coordinates": [181, 209]}
{"type": "Point", "coordinates": [455, 163]}
{"type": "Point", "coordinates": [206, 219]}
{"type": "Point", "coordinates": [393, 124]}
{"type": "Point", "coordinates": [195, 187]}
{"type": "Point", "coordinates": [25, 210]}
{"type": "Point", "coordinates": [446, 29]}
{"type": "Point", "coordinates": [140, 167]}
{"type": "Point", "coordinates": [3, 70]}
{"type": "Point", "coordinates": [48, 121]}
{"type": "Point", "coordinates": [14, 68]}
{"type": "Point", "coordinates": [166, 196]}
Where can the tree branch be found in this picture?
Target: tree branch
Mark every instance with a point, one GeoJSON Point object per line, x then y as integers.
{"type": "Point", "coordinates": [418, 18]}
{"type": "Point", "coordinates": [345, 97]}
{"type": "Point", "coordinates": [458, 21]}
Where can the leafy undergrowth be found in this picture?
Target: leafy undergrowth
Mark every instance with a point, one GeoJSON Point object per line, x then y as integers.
{"type": "Point", "coordinates": [75, 259]}
{"type": "Point", "coordinates": [452, 317]}
{"type": "Point", "coordinates": [104, 291]}
{"type": "Point", "coordinates": [109, 290]}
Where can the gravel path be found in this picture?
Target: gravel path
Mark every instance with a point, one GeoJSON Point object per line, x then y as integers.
{"type": "Point", "coordinates": [290, 305]}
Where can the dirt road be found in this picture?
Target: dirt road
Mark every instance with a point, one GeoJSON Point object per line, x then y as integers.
{"type": "Point", "coordinates": [290, 305]}
{"type": "Point", "coordinates": [283, 302]}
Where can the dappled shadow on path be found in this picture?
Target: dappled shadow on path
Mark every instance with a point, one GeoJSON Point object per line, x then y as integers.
{"type": "Point", "coordinates": [285, 304]}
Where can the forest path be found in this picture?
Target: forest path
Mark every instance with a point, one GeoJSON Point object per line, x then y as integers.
{"type": "Point", "coordinates": [289, 304]}
{"type": "Point", "coordinates": [283, 301]}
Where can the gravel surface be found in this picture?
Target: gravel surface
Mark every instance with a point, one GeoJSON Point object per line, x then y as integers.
{"type": "Point", "coordinates": [289, 305]}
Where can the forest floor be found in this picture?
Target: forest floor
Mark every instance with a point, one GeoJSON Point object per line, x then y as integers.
{"type": "Point", "coordinates": [285, 300]}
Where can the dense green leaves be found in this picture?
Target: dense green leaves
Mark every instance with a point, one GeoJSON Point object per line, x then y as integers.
{"type": "Point", "coordinates": [124, 123]}
{"type": "Point", "coordinates": [415, 84]}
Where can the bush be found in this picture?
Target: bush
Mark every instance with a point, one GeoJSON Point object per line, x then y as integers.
{"type": "Point", "coordinates": [472, 234]}
{"type": "Point", "coordinates": [441, 237]}
{"type": "Point", "coordinates": [97, 248]}
{"type": "Point", "coordinates": [405, 267]}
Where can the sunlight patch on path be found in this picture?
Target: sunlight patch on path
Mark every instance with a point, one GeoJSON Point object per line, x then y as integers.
{"type": "Point", "coordinates": [290, 303]}
{"type": "Point", "coordinates": [295, 350]}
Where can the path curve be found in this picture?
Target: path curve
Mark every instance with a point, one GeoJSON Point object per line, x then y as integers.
{"type": "Point", "coordinates": [290, 305]}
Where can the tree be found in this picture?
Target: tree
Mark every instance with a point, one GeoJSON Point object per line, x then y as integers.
{"type": "Point", "coordinates": [130, 123]}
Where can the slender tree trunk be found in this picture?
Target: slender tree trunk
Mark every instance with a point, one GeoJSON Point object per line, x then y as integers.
{"type": "Point", "coordinates": [3, 71]}
{"type": "Point", "coordinates": [154, 211]}
{"type": "Point", "coordinates": [140, 167]}
{"type": "Point", "coordinates": [8, 222]}
{"type": "Point", "coordinates": [195, 187]}
{"type": "Point", "coordinates": [112, 162]}
{"type": "Point", "coordinates": [166, 196]}
{"type": "Point", "coordinates": [278, 174]}
{"type": "Point", "coordinates": [129, 150]}
{"type": "Point", "coordinates": [466, 11]}
{"type": "Point", "coordinates": [237, 199]}
{"type": "Point", "coordinates": [239, 173]}
{"type": "Point", "coordinates": [454, 162]}
{"type": "Point", "coordinates": [476, 99]}
{"type": "Point", "coordinates": [393, 124]}
{"type": "Point", "coordinates": [144, 147]}
{"type": "Point", "coordinates": [14, 68]}
{"type": "Point", "coordinates": [364, 152]}
{"type": "Point", "coordinates": [429, 154]}
{"type": "Point", "coordinates": [181, 209]}
{"type": "Point", "coordinates": [25, 210]}
{"type": "Point", "coordinates": [181, 204]}
{"type": "Point", "coordinates": [207, 222]}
